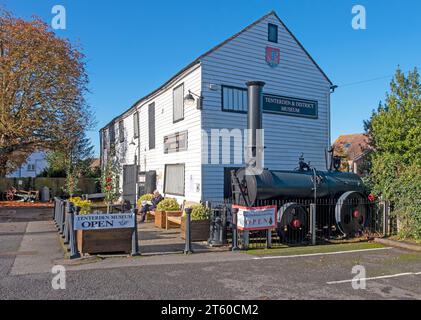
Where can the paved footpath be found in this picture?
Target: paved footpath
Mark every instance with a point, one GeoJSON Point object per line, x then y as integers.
{"type": "Point", "coordinates": [28, 251]}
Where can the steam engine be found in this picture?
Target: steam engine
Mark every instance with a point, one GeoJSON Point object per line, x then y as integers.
{"type": "Point", "coordinates": [342, 207]}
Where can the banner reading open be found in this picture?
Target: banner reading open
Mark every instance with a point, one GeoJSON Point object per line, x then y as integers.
{"type": "Point", "coordinates": [256, 218]}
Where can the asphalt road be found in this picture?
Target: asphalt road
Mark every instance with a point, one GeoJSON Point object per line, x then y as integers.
{"type": "Point", "coordinates": [224, 276]}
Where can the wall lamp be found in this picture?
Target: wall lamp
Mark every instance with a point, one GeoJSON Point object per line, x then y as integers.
{"type": "Point", "coordinates": [333, 88]}
{"type": "Point", "coordinates": [190, 100]}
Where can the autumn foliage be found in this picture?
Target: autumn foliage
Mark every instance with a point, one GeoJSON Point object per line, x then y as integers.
{"type": "Point", "coordinates": [42, 87]}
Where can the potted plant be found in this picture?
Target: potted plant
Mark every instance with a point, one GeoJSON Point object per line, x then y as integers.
{"type": "Point", "coordinates": [167, 205]}
{"type": "Point", "coordinates": [199, 225]}
{"type": "Point", "coordinates": [142, 199]}
{"type": "Point", "coordinates": [100, 241]}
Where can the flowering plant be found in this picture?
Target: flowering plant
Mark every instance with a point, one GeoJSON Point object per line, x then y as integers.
{"type": "Point", "coordinates": [109, 183]}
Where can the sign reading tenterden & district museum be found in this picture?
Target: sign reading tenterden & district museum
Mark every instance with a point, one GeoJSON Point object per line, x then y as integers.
{"type": "Point", "coordinates": [104, 221]}
{"type": "Point", "coordinates": [290, 106]}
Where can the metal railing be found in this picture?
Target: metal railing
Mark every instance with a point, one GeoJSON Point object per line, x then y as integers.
{"type": "Point", "coordinates": [64, 213]}
{"type": "Point", "coordinates": [303, 222]}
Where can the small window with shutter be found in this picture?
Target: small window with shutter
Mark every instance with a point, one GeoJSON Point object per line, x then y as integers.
{"type": "Point", "coordinates": [178, 103]}
{"type": "Point", "coordinates": [273, 33]}
{"type": "Point", "coordinates": [136, 125]}
{"type": "Point", "coordinates": [151, 121]}
{"type": "Point", "coordinates": [121, 131]}
{"type": "Point", "coordinates": [111, 134]}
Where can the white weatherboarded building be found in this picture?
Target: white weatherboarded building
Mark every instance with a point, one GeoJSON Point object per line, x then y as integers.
{"type": "Point", "coordinates": [162, 133]}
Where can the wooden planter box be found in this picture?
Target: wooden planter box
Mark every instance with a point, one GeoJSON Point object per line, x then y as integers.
{"type": "Point", "coordinates": [104, 241]}
{"type": "Point", "coordinates": [161, 218]}
{"type": "Point", "coordinates": [199, 230]}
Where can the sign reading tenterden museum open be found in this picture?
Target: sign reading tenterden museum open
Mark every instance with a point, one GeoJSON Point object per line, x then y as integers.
{"type": "Point", "coordinates": [104, 221]}
{"type": "Point", "coordinates": [290, 106]}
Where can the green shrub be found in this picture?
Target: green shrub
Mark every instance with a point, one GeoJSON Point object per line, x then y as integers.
{"type": "Point", "coordinates": [407, 202]}
{"type": "Point", "coordinates": [145, 197]}
{"type": "Point", "coordinates": [168, 204]}
{"type": "Point", "coordinates": [84, 205]}
{"type": "Point", "coordinates": [200, 212]}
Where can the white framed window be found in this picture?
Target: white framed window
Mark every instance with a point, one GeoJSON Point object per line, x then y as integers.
{"type": "Point", "coordinates": [121, 130]}
{"type": "Point", "coordinates": [178, 103]}
{"type": "Point", "coordinates": [174, 182]}
{"type": "Point", "coordinates": [136, 125]}
{"type": "Point", "coordinates": [234, 99]}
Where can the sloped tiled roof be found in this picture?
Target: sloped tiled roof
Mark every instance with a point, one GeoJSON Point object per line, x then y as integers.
{"type": "Point", "coordinates": [354, 145]}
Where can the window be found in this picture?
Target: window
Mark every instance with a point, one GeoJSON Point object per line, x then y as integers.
{"type": "Point", "coordinates": [31, 167]}
{"type": "Point", "coordinates": [273, 33]}
{"type": "Point", "coordinates": [174, 182]}
{"type": "Point", "coordinates": [178, 103]}
{"type": "Point", "coordinates": [136, 125]}
{"type": "Point", "coordinates": [151, 120]}
{"type": "Point", "coordinates": [111, 134]}
{"type": "Point", "coordinates": [105, 139]}
{"type": "Point", "coordinates": [234, 99]}
{"type": "Point", "coordinates": [121, 131]}
{"type": "Point", "coordinates": [176, 142]}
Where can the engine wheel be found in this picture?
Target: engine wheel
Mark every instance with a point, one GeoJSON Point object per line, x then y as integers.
{"type": "Point", "coordinates": [293, 223]}
{"type": "Point", "coordinates": [9, 196]}
{"type": "Point", "coordinates": [351, 214]}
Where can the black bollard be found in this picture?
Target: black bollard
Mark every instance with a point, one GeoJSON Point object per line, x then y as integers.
{"type": "Point", "coordinates": [188, 248]}
{"type": "Point", "coordinates": [234, 230]}
{"type": "Point", "coordinates": [135, 240]}
{"type": "Point", "coordinates": [74, 254]}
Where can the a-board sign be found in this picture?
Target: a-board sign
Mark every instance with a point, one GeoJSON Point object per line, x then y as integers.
{"type": "Point", "coordinates": [104, 221]}
{"type": "Point", "coordinates": [256, 218]}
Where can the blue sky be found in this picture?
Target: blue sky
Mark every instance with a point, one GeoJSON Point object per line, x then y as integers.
{"type": "Point", "coordinates": [133, 46]}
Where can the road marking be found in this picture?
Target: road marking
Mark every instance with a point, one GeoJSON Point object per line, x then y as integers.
{"type": "Point", "coordinates": [377, 278]}
{"type": "Point", "coordinates": [321, 254]}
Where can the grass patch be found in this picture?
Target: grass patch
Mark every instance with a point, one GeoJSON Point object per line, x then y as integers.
{"type": "Point", "coordinates": [290, 251]}
{"type": "Point", "coordinates": [410, 241]}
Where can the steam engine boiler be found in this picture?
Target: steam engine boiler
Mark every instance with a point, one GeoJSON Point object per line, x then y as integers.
{"type": "Point", "coordinates": [341, 202]}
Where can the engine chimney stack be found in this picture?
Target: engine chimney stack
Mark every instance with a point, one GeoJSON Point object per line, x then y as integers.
{"type": "Point", "coordinates": [255, 147]}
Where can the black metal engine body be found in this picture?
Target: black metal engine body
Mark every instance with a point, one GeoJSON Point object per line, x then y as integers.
{"type": "Point", "coordinates": [284, 185]}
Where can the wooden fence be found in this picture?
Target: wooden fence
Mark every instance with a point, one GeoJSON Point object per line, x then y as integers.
{"type": "Point", "coordinates": [56, 185]}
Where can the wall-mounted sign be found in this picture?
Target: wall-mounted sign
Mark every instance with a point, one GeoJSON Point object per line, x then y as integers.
{"type": "Point", "coordinates": [257, 218]}
{"type": "Point", "coordinates": [104, 221]}
{"type": "Point", "coordinates": [290, 106]}
{"type": "Point", "coordinates": [176, 142]}
{"type": "Point", "coordinates": [273, 56]}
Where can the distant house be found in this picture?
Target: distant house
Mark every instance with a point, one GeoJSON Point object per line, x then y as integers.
{"type": "Point", "coordinates": [355, 147]}
{"type": "Point", "coordinates": [34, 165]}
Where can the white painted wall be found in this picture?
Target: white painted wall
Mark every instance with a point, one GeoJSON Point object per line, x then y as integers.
{"type": "Point", "coordinates": [36, 161]}
{"type": "Point", "coordinates": [156, 159]}
{"type": "Point", "coordinates": [286, 137]}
